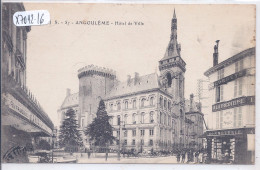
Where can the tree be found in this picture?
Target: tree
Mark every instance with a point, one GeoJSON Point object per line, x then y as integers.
{"type": "Point", "coordinates": [70, 137]}
{"type": "Point", "coordinates": [100, 131]}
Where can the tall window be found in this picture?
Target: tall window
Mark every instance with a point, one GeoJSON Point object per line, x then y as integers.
{"type": "Point", "coordinates": [142, 102]}
{"type": "Point", "coordinates": [151, 142]}
{"type": "Point", "coordinates": [151, 101]}
{"type": "Point", "coordinates": [169, 120]}
{"type": "Point", "coordinates": [238, 87]}
{"type": "Point", "coordinates": [165, 104]}
{"type": "Point", "coordinates": [134, 118]}
{"type": "Point", "coordinates": [151, 132]}
{"type": "Point", "coordinates": [142, 117]}
{"type": "Point", "coordinates": [142, 132]}
{"type": "Point", "coordinates": [133, 132]}
{"type": "Point", "coordinates": [161, 118]}
{"type": "Point", "coordinates": [219, 93]}
{"type": "Point", "coordinates": [239, 65]}
{"type": "Point", "coordinates": [118, 120]}
{"type": "Point", "coordinates": [125, 142]}
{"type": "Point", "coordinates": [161, 102]}
{"type": "Point", "coordinates": [165, 119]}
{"type": "Point", "coordinates": [125, 133]}
{"type": "Point", "coordinates": [142, 142]}
{"type": "Point", "coordinates": [169, 79]}
{"type": "Point", "coordinates": [126, 104]}
{"type": "Point", "coordinates": [118, 106]}
{"type": "Point", "coordinates": [117, 133]}
{"type": "Point", "coordinates": [134, 103]}
{"type": "Point", "coordinates": [169, 105]}
{"type": "Point", "coordinates": [237, 116]}
{"type": "Point", "coordinates": [133, 142]}
{"type": "Point", "coordinates": [151, 117]}
{"type": "Point", "coordinates": [125, 118]}
{"type": "Point", "coordinates": [221, 73]}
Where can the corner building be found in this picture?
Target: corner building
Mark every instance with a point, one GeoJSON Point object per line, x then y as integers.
{"type": "Point", "coordinates": [232, 89]}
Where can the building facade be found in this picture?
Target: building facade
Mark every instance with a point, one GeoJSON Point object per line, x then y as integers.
{"type": "Point", "coordinates": [23, 119]}
{"type": "Point", "coordinates": [147, 112]}
{"type": "Point", "coordinates": [232, 89]}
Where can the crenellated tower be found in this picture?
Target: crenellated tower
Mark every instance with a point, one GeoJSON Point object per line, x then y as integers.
{"type": "Point", "coordinates": [94, 83]}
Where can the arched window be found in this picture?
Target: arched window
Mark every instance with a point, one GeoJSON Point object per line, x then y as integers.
{"type": "Point", "coordinates": [134, 118]}
{"type": "Point", "coordinates": [125, 118]}
{"type": "Point", "coordinates": [151, 101]}
{"type": "Point", "coordinates": [165, 119]}
{"type": "Point", "coordinates": [169, 105]}
{"type": "Point", "coordinates": [169, 120]}
{"type": "Point", "coordinates": [181, 113]}
{"type": "Point", "coordinates": [165, 104]}
{"type": "Point", "coordinates": [161, 101]}
{"type": "Point", "coordinates": [142, 102]}
{"type": "Point", "coordinates": [169, 79]}
{"type": "Point", "coordinates": [134, 103]}
{"type": "Point", "coordinates": [118, 120]}
{"type": "Point", "coordinates": [82, 122]}
{"type": "Point", "coordinates": [118, 106]}
{"type": "Point", "coordinates": [142, 117]}
{"type": "Point", "coordinates": [161, 118]}
{"type": "Point", "coordinates": [151, 117]}
{"type": "Point", "coordinates": [126, 104]}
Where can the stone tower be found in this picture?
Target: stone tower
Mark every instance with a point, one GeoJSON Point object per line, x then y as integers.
{"type": "Point", "coordinates": [172, 70]}
{"type": "Point", "coordinates": [94, 84]}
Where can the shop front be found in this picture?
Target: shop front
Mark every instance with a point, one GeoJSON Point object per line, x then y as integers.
{"type": "Point", "coordinates": [231, 145]}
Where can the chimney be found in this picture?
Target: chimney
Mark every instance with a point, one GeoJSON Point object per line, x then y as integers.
{"type": "Point", "coordinates": [215, 54]}
{"type": "Point", "coordinates": [68, 92]}
{"type": "Point", "coordinates": [191, 102]}
{"type": "Point", "coordinates": [136, 77]}
{"type": "Point", "coordinates": [128, 80]}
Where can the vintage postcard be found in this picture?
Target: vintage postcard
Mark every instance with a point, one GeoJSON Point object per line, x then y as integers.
{"type": "Point", "coordinates": [128, 83]}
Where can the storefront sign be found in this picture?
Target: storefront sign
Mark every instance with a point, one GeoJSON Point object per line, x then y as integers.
{"type": "Point", "coordinates": [225, 132]}
{"type": "Point", "coordinates": [230, 78]}
{"type": "Point", "coordinates": [241, 101]}
{"type": "Point", "coordinates": [19, 108]}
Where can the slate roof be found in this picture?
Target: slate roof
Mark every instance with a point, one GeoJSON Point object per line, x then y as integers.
{"type": "Point", "coordinates": [143, 83]}
{"type": "Point", "coordinates": [70, 101]}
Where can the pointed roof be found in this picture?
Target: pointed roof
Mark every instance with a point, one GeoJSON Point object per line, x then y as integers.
{"type": "Point", "coordinates": [172, 48]}
{"type": "Point", "coordinates": [174, 14]}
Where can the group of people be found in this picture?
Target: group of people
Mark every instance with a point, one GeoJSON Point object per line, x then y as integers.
{"type": "Point", "coordinates": [189, 156]}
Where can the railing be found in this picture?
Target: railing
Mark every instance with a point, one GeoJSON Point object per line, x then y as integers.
{"type": "Point", "coordinates": [23, 90]}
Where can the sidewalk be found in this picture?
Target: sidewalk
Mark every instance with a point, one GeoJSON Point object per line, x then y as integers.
{"type": "Point", "coordinates": [168, 159]}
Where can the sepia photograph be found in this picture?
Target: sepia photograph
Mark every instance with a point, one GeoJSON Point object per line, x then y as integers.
{"type": "Point", "coordinates": [114, 83]}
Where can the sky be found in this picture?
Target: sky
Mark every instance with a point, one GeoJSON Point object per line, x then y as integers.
{"type": "Point", "coordinates": [56, 51]}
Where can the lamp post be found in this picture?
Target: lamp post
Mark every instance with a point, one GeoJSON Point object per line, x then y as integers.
{"type": "Point", "coordinates": [53, 137]}
{"type": "Point", "coordinates": [119, 142]}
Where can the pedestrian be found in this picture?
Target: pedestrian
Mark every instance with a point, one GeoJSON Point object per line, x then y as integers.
{"type": "Point", "coordinates": [178, 157]}
{"type": "Point", "coordinates": [197, 157]}
{"type": "Point", "coordinates": [89, 154]}
{"type": "Point", "coordinates": [183, 157]}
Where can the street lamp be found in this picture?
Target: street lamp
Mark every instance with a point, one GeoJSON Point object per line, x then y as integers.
{"type": "Point", "coordinates": [53, 137]}
{"type": "Point", "coordinates": [119, 142]}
